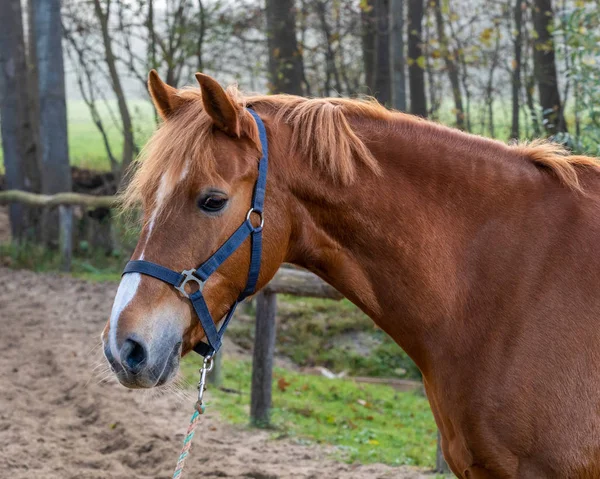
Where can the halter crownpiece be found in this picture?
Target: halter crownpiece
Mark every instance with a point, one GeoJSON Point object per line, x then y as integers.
{"type": "Point", "coordinates": [201, 274]}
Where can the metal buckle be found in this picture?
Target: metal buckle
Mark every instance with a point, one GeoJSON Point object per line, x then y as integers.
{"type": "Point", "coordinates": [260, 215]}
{"type": "Point", "coordinates": [206, 368]}
{"type": "Point", "coordinates": [189, 276]}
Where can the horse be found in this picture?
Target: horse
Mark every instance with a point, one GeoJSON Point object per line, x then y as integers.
{"type": "Point", "coordinates": [479, 258]}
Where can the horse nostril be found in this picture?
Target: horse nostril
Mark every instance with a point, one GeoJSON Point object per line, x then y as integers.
{"type": "Point", "coordinates": [133, 356]}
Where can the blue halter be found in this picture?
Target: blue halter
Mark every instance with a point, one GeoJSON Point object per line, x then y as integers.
{"type": "Point", "coordinates": [202, 273]}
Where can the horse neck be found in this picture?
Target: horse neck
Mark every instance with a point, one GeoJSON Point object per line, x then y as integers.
{"type": "Point", "coordinates": [397, 244]}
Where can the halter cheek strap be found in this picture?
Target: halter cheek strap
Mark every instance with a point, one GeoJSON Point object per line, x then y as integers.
{"type": "Point", "coordinates": [201, 274]}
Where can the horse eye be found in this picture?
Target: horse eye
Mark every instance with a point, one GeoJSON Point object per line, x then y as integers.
{"type": "Point", "coordinates": [212, 204]}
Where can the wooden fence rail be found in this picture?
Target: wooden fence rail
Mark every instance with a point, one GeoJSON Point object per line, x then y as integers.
{"type": "Point", "coordinates": [286, 281]}
{"type": "Point", "coordinates": [59, 199]}
{"type": "Point", "coordinates": [65, 202]}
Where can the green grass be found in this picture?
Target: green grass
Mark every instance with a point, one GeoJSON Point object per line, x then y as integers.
{"type": "Point", "coordinates": [366, 423]}
{"type": "Point", "coordinates": [86, 146]}
{"type": "Point", "coordinates": [333, 334]}
{"type": "Point", "coordinates": [90, 265]}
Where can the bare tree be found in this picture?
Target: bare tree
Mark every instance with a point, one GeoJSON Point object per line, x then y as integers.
{"type": "Point", "coordinates": [450, 62]}
{"type": "Point", "coordinates": [20, 160]}
{"type": "Point", "coordinates": [516, 71]}
{"type": "Point", "coordinates": [33, 80]}
{"type": "Point", "coordinates": [383, 84]}
{"type": "Point", "coordinates": [466, 29]}
{"type": "Point", "coordinates": [416, 59]}
{"type": "Point", "coordinates": [490, 92]}
{"type": "Point", "coordinates": [545, 68]}
{"type": "Point", "coordinates": [285, 60]}
{"type": "Point", "coordinates": [331, 70]}
{"type": "Point", "coordinates": [397, 54]}
{"type": "Point", "coordinates": [89, 91]}
{"type": "Point", "coordinates": [529, 77]}
{"type": "Point", "coordinates": [55, 167]}
{"type": "Point", "coordinates": [129, 147]}
{"type": "Point", "coordinates": [201, 35]}
{"type": "Point", "coordinates": [368, 35]}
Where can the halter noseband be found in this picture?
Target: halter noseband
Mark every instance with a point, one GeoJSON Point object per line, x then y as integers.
{"type": "Point", "coordinates": [202, 272]}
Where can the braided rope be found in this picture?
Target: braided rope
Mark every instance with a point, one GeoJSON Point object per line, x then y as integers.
{"type": "Point", "coordinates": [187, 442]}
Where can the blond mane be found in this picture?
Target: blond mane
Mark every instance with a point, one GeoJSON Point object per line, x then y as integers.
{"type": "Point", "coordinates": [184, 147]}
{"type": "Point", "coordinates": [321, 131]}
{"type": "Point", "coordinates": [557, 159]}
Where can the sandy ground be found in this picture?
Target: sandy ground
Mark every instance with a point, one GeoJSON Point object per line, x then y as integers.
{"type": "Point", "coordinates": [59, 420]}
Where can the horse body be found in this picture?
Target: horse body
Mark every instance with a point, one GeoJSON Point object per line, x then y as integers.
{"type": "Point", "coordinates": [483, 268]}
{"type": "Point", "coordinates": [476, 257]}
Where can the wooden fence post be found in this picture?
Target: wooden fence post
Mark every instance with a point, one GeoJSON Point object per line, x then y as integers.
{"type": "Point", "coordinates": [441, 466]}
{"type": "Point", "coordinates": [65, 218]}
{"type": "Point", "coordinates": [262, 361]}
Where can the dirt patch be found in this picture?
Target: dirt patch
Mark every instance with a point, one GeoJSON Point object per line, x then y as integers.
{"type": "Point", "coordinates": [58, 421]}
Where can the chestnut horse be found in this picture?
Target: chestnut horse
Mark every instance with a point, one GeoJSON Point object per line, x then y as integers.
{"type": "Point", "coordinates": [478, 258]}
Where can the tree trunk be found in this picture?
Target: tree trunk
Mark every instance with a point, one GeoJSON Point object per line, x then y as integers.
{"type": "Point", "coordinates": [53, 138]}
{"type": "Point", "coordinates": [34, 95]}
{"type": "Point", "coordinates": [54, 147]}
{"type": "Point", "coordinates": [397, 54]}
{"type": "Point", "coordinates": [416, 59]}
{"type": "Point", "coordinates": [545, 68]}
{"type": "Point", "coordinates": [111, 63]}
{"type": "Point", "coordinates": [20, 160]}
{"type": "Point", "coordinates": [529, 91]}
{"type": "Point", "coordinates": [285, 58]}
{"type": "Point", "coordinates": [383, 83]}
{"type": "Point", "coordinates": [151, 47]}
{"type": "Point", "coordinates": [529, 80]}
{"type": "Point", "coordinates": [51, 86]}
{"type": "Point", "coordinates": [489, 90]}
{"type": "Point", "coordinates": [331, 70]}
{"type": "Point", "coordinates": [516, 73]}
{"type": "Point", "coordinates": [200, 41]}
{"type": "Point", "coordinates": [367, 18]}
{"type": "Point", "coordinates": [451, 66]}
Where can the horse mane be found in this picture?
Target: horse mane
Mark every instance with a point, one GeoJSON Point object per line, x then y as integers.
{"type": "Point", "coordinates": [321, 132]}
{"type": "Point", "coordinates": [557, 159]}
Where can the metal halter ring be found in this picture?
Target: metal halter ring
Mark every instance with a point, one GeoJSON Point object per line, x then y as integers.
{"type": "Point", "coordinates": [189, 276]}
{"type": "Point", "coordinates": [260, 215]}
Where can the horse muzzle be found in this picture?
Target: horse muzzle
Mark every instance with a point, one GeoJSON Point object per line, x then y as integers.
{"type": "Point", "coordinates": [142, 365]}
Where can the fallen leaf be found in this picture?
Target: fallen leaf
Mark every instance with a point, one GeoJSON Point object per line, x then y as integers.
{"type": "Point", "coordinates": [282, 384]}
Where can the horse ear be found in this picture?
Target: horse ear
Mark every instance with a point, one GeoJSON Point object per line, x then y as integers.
{"type": "Point", "coordinates": [165, 98]}
{"type": "Point", "coordinates": [218, 105]}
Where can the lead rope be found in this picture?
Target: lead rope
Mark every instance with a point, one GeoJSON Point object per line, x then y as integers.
{"type": "Point", "coordinates": [200, 408]}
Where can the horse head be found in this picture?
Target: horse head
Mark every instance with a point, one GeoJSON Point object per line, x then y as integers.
{"type": "Point", "coordinates": [195, 183]}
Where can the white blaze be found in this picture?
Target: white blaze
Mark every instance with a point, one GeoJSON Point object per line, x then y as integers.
{"type": "Point", "coordinates": [126, 292]}
{"type": "Point", "coordinates": [131, 281]}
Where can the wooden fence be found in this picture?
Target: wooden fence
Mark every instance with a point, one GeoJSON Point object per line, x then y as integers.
{"type": "Point", "coordinates": [65, 203]}
{"type": "Point", "coordinates": [286, 281]}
